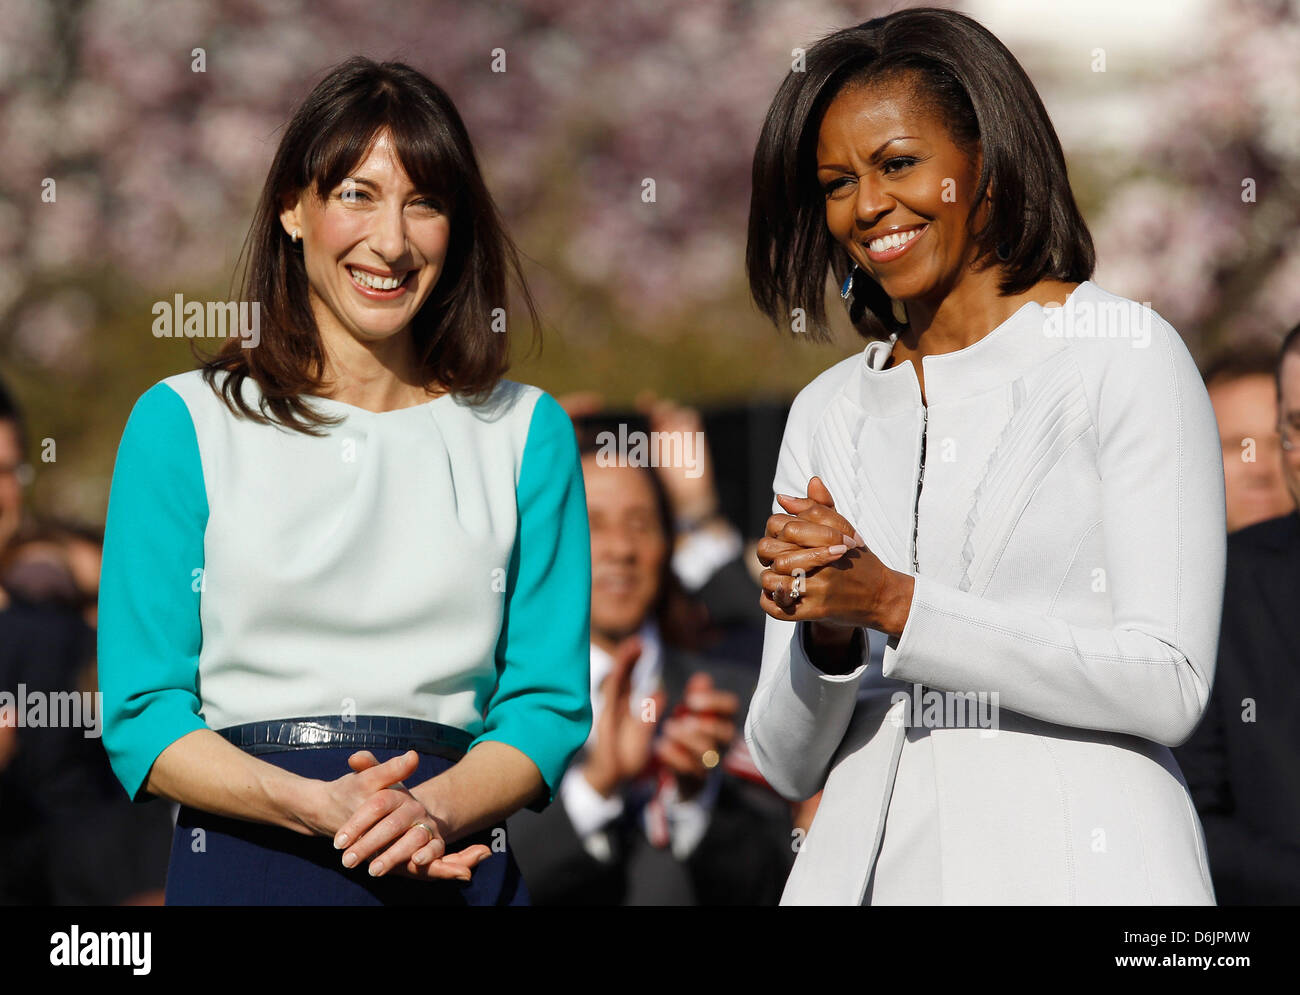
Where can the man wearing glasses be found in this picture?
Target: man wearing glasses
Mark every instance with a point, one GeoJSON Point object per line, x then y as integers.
{"type": "Point", "coordinates": [1242, 764]}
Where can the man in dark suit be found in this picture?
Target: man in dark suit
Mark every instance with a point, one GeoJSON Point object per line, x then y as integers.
{"type": "Point", "coordinates": [1243, 762]}
{"type": "Point", "coordinates": [653, 811]}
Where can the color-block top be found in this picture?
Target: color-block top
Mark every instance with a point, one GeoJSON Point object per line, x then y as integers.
{"type": "Point", "coordinates": [431, 562]}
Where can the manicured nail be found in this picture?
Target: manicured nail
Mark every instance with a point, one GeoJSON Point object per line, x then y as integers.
{"type": "Point", "coordinates": [341, 840]}
{"type": "Point", "coordinates": [376, 869]}
{"type": "Point", "coordinates": [349, 860]}
{"type": "Point", "coordinates": [421, 858]}
{"type": "Point", "coordinates": [838, 549]}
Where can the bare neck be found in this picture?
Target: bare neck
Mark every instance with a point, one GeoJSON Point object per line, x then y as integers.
{"type": "Point", "coordinates": [968, 311]}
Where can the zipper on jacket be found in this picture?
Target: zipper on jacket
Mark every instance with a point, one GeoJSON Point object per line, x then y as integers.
{"type": "Point", "coordinates": [916, 507]}
{"type": "Point", "coordinates": [920, 478]}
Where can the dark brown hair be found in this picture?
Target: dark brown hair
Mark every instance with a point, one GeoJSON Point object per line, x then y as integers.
{"type": "Point", "coordinates": [328, 136]}
{"type": "Point", "coordinates": [984, 98]}
{"type": "Point", "coordinates": [11, 412]}
{"type": "Point", "coordinates": [1249, 358]}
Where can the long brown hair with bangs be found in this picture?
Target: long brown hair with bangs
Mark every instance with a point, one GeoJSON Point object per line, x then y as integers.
{"type": "Point", "coordinates": [329, 135]}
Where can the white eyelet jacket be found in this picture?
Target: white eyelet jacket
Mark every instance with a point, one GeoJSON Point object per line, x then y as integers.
{"type": "Point", "coordinates": [1070, 550]}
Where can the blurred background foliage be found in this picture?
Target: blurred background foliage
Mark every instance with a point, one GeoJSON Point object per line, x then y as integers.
{"type": "Point", "coordinates": [157, 167]}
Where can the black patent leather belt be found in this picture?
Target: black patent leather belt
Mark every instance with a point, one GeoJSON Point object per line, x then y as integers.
{"type": "Point", "coordinates": [361, 732]}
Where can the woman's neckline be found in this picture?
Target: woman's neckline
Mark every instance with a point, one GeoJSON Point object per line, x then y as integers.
{"type": "Point", "coordinates": [367, 411]}
{"type": "Point", "coordinates": [968, 350]}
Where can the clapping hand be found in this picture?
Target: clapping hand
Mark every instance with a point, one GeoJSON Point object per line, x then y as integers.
{"type": "Point", "coordinates": [623, 743]}
{"type": "Point", "coordinates": [698, 733]}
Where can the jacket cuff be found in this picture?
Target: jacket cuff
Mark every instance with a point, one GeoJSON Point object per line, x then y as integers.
{"type": "Point", "coordinates": [806, 675]}
{"type": "Point", "coordinates": [908, 655]}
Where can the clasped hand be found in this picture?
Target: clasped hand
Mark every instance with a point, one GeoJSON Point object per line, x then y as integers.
{"type": "Point", "coordinates": [372, 815]}
{"type": "Point", "coordinates": [818, 568]}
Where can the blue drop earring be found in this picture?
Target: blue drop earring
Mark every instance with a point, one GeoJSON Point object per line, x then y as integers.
{"type": "Point", "coordinates": [846, 289]}
{"type": "Point", "coordinates": [846, 294]}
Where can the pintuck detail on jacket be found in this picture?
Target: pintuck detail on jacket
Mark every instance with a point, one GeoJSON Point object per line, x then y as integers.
{"type": "Point", "coordinates": [1070, 558]}
{"type": "Point", "coordinates": [431, 562]}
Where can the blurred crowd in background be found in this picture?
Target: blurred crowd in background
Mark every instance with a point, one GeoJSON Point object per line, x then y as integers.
{"type": "Point", "coordinates": [136, 143]}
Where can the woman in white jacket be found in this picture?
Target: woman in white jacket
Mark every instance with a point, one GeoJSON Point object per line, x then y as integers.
{"type": "Point", "coordinates": [995, 563]}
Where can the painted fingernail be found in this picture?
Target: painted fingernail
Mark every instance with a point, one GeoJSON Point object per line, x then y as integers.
{"type": "Point", "coordinates": [838, 549]}
{"type": "Point", "coordinates": [349, 860]}
{"type": "Point", "coordinates": [341, 840]}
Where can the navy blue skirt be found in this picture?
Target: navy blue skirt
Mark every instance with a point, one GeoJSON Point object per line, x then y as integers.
{"type": "Point", "coordinates": [217, 860]}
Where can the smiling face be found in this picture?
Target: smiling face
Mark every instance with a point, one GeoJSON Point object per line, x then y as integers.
{"type": "Point", "coordinates": [897, 189]}
{"type": "Point", "coordinates": [628, 548]}
{"type": "Point", "coordinates": [373, 250]}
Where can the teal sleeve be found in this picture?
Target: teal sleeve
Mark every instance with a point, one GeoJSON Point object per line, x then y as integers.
{"type": "Point", "coordinates": [149, 627]}
{"type": "Point", "coordinates": [542, 701]}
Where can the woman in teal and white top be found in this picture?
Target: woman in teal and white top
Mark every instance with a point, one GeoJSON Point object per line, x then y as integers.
{"type": "Point", "coordinates": [353, 542]}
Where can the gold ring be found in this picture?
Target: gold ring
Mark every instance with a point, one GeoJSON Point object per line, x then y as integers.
{"type": "Point", "coordinates": [425, 826]}
{"type": "Point", "coordinates": [710, 759]}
